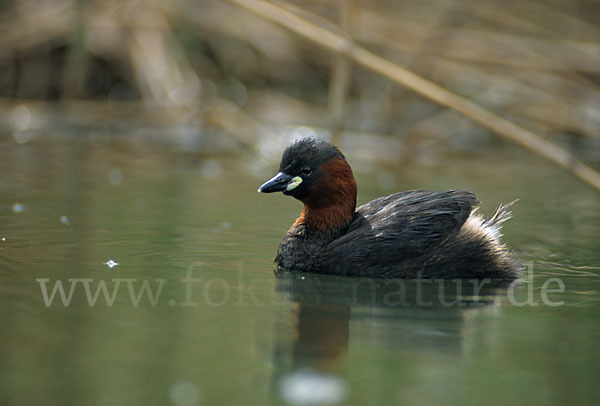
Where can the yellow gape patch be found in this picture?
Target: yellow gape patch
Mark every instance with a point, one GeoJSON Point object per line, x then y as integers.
{"type": "Point", "coordinates": [296, 180]}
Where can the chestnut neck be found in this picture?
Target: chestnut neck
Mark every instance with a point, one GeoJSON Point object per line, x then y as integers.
{"type": "Point", "coordinates": [332, 201]}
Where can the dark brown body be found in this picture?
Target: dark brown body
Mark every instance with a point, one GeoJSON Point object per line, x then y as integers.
{"type": "Point", "coordinates": [429, 235]}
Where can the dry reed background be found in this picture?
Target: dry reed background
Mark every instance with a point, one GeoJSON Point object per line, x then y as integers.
{"type": "Point", "coordinates": [390, 75]}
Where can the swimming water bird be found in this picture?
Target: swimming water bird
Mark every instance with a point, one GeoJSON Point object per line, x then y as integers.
{"type": "Point", "coordinates": [414, 234]}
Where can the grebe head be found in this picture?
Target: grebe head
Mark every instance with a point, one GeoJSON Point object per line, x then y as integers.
{"type": "Point", "coordinates": [316, 173]}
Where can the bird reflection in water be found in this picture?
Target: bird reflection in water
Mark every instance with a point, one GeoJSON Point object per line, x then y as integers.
{"type": "Point", "coordinates": [309, 364]}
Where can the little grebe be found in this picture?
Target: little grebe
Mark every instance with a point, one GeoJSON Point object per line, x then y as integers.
{"type": "Point", "coordinates": [414, 234]}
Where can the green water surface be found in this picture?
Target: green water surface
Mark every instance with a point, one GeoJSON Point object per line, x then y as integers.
{"type": "Point", "coordinates": [224, 330]}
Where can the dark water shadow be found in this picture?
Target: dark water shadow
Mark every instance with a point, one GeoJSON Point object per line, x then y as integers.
{"type": "Point", "coordinates": [332, 311]}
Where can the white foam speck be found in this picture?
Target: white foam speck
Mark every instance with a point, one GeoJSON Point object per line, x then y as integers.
{"type": "Point", "coordinates": [111, 263]}
{"type": "Point", "coordinates": [18, 208]}
{"type": "Point", "coordinates": [312, 388]}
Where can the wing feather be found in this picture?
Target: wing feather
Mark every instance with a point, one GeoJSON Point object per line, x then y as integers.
{"type": "Point", "coordinates": [404, 225]}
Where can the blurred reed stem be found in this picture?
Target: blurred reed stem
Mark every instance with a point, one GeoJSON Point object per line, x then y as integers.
{"type": "Point", "coordinates": [340, 76]}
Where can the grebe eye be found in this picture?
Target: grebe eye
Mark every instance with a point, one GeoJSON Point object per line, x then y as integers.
{"type": "Point", "coordinates": [306, 170]}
